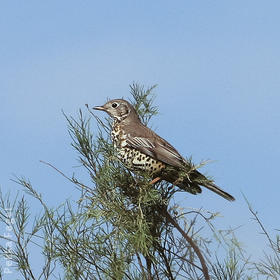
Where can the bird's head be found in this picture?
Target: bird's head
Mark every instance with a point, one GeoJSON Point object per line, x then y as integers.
{"type": "Point", "coordinates": [118, 109]}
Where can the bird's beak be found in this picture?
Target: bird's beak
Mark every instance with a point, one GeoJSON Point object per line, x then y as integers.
{"type": "Point", "coordinates": [101, 108]}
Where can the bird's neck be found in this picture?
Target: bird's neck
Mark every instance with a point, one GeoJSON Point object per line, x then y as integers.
{"type": "Point", "coordinates": [127, 119]}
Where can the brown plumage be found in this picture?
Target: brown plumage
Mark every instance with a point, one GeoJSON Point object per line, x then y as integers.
{"type": "Point", "coordinates": [140, 148]}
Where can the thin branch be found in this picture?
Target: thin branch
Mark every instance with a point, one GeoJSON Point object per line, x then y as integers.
{"type": "Point", "coordinates": [190, 241]}
{"type": "Point", "coordinates": [75, 182]}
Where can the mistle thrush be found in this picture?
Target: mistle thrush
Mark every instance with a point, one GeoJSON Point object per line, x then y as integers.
{"type": "Point", "coordinates": [141, 149]}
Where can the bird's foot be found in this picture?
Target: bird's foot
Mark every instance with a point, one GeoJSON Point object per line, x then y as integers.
{"type": "Point", "coordinates": [155, 180]}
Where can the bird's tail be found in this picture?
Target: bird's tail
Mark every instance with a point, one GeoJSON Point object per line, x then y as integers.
{"type": "Point", "coordinates": [192, 182]}
{"type": "Point", "coordinates": [214, 188]}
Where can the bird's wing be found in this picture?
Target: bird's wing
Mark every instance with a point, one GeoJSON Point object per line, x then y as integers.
{"type": "Point", "coordinates": [157, 148]}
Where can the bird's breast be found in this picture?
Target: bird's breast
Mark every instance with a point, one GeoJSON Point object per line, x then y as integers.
{"type": "Point", "coordinates": [131, 157]}
{"type": "Point", "coordinates": [136, 160]}
{"type": "Point", "coordinates": [118, 137]}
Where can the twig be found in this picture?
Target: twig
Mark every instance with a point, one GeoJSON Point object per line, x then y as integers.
{"type": "Point", "coordinates": [65, 176]}
{"type": "Point", "coordinates": [140, 263]}
{"type": "Point", "coordinates": [191, 242]}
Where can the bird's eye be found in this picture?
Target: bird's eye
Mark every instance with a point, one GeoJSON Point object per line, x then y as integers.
{"type": "Point", "coordinates": [115, 105]}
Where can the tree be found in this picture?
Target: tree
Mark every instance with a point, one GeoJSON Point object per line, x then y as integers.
{"type": "Point", "coordinates": [122, 227]}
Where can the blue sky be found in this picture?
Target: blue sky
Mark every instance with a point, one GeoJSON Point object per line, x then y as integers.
{"type": "Point", "coordinates": [216, 64]}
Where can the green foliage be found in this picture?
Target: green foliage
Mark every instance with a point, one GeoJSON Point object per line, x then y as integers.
{"type": "Point", "coordinates": [121, 227]}
{"type": "Point", "coordinates": [142, 100]}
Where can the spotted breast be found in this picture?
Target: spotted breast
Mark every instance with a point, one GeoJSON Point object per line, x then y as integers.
{"type": "Point", "coordinates": [130, 157]}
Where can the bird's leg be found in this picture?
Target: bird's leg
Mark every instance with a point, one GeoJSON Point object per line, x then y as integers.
{"type": "Point", "coordinates": [155, 180]}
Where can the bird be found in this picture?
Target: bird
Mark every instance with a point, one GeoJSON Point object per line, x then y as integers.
{"type": "Point", "coordinates": [140, 149]}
